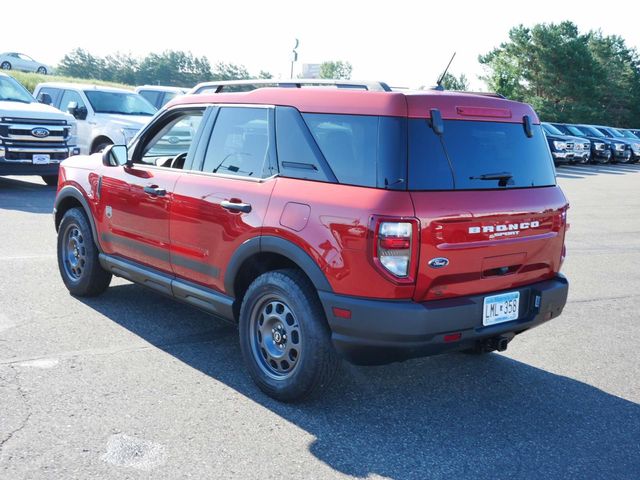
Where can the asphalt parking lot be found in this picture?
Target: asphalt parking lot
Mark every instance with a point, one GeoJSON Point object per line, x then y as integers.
{"type": "Point", "coordinates": [133, 385]}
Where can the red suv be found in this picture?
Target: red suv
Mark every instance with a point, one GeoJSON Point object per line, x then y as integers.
{"type": "Point", "coordinates": [367, 224]}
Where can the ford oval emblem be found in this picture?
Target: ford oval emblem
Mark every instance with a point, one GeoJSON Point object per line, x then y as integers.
{"type": "Point", "coordinates": [40, 132]}
{"type": "Point", "coordinates": [438, 262]}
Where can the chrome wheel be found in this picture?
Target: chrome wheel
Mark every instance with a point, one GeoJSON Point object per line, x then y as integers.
{"type": "Point", "coordinates": [276, 338]}
{"type": "Point", "coordinates": [74, 252]}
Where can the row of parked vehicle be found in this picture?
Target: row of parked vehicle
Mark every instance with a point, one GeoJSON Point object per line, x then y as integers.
{"type": "Point", "coordinates": [592, 143]}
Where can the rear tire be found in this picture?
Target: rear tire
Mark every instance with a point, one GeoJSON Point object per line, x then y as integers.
{"type": "Point", "coordinates": [284, 336]}
{"type": "Point", "coordinates": [41, 71]}
{"type": "Point", "coordinates": [51, 180]}
{"type": "Point", "coordinates": [78, 261]}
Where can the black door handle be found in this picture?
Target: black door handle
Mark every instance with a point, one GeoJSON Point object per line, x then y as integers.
{"type": "Point", "coordinates": [236, 206]}
{"type": "Point", "coordinates": [155, 191]}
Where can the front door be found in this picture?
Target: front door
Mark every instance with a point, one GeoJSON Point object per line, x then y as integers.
{"type": "Point", "coordinates": [84, 127]}
{"type": "Point", "coordinates": [137, 198]}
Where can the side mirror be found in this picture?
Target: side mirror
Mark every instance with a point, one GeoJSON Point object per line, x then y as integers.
{"type": "Point", "coordinates": [80, 113]}
{"type": "Point", "coordinates": [45, 98]}
{"type": "Point", "coordinates": [115, 156]}
{"type": "Point", "coordinates": [436, 121]}
{"type": "Point", "coordinates": [526, 122]}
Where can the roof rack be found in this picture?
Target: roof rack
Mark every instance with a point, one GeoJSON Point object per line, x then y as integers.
{"type": "Point", "coordinates": [222, 86]}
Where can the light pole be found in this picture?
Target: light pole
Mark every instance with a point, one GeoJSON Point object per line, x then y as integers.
{"type": "Point", "coordinates": [294, 58]}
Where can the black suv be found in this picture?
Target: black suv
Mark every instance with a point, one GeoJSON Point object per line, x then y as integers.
{"type": "Point", "coordinates": [622, 152]}
{"type": "Point", "coordinates": [601, 147]}
{"type": "Point", "coordinates": [565, 148]}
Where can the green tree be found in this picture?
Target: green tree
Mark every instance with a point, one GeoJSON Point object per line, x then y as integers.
{"type": "Point", "coordinates": [451, 82]}
{"type": "Point", "coordinates": [173, 67]}
{"type": "Point", "coordinates": [80, 63]}
{"type": "Point", "coordinates": [336, 70]}
{"type": "Point", "coordinates": [265, 75]}
{"type": "Point", "coordinates": [567, 76]}
{"type": "Point", "coordinates": [230, 71]}
{"type": "Point", "coordinates": [121, 68]}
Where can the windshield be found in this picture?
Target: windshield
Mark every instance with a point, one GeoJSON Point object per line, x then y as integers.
{"type": "Point", "coordinates": [551, 129]}
{"type": "Point", "coordinates": [593, 132]}
{"type": "Point", "coordinates": [12, 91]}
{"type": "Point", "coordinates": [629, 135]}
{"type": "Point", "coordinates": [472, 155]}
{"type": "Point", "coordinates": [575, 130]}
{"type": "Point", "coordinates": [616, 132]}
{"type": "Point", "coordinates": [119, 103]}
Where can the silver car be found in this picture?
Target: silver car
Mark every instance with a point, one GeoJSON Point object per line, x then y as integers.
{"type": "Point", "coordinates": [20, 61]}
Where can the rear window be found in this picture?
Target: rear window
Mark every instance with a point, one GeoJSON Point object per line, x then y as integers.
{"type": "Point", "coordinates": [473, 155]}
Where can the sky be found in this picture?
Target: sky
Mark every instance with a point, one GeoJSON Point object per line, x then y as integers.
{"type": "Point", "coordinates": [404, 43]}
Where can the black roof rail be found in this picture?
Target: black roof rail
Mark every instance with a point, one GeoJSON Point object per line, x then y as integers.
{"type": "Point", "coordinates": [222, 86]}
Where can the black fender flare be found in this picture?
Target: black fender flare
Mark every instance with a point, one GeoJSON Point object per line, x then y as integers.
{"type": "Point", "coordinates": [70, 191]}
{"type": "Point", "coordinates": [280, 246]}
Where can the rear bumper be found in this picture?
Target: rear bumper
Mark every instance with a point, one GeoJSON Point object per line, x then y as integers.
{"type": "Point", "coordinates": [382, 331]}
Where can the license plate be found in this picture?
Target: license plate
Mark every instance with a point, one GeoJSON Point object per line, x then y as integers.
{"type": "Point", "coordinates": [501, 308]}
{"type": "Point", "coordinates": [41, 159]}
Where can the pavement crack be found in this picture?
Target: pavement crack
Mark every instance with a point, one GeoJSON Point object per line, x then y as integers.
{"type": "Point", "coordinates": [25, 420]}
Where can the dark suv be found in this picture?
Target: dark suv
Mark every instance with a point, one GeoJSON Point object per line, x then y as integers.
{"type": "Point", "coordinates": [601, 148]}
{"type": "Point", "coordinates": [565, 148]}
{"type": "Point", "coordinates": [620, 136]}
{"type": "Point", "coordinates": [329, 222]}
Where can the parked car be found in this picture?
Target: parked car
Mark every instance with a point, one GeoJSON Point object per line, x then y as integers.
{"type": "Point", "coordinates": [20, 61]}
{"type": "Point", "coordinates": [105, 115]}
{"type": "Point", "coordinates": [372, 225]}
{"type": "Point", "coordinates": [601, 147]}
{"type": "Point", "coordinates": [34, 138]}
{"type": "Point", "coordinates": [632, 139]}
{"type": "Point", "coordinates": [633, 147]}
{"type": "Point", "coordinates": [158, 96]}
{"type": "Point", "coordinates": [635, 131]}
{"type": "Point", "coordinates": [565, 148]}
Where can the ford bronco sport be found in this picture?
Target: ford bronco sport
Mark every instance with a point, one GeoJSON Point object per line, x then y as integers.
{"type": "Point", "coordinates": [365, 224]}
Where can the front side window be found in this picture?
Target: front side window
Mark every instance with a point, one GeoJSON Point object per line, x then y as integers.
{"type": "Point", "coordinates": [171, 142]}
{"type": "Point", "coordinates": [121, 103]}
{"type": "Point", "coordinates": [70, 96]}
{"type": "Point", "coordinates": [239, 144]}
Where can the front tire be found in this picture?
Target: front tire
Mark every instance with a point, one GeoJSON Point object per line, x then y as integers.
{"type": "Point", "coordinates": [100, 147]}
{"type": "Point", "coordinates": [78, 262]}
{"type": "Point", "coordinates": [5, 66]}
{"type": "Point", "coordinates": [284, 336]}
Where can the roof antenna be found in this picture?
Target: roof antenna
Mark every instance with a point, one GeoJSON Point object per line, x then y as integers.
{"type": "Point", "coordinates": [439, 82]}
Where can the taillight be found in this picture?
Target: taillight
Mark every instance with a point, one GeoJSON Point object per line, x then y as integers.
{"type": "Point", "coordinates": [395, 249]}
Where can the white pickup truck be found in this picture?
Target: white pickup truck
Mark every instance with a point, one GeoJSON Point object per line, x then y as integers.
{"type": "Point", "coordinates": [105, 115]}
{"type": "Point", "coordinates": [34, 138]}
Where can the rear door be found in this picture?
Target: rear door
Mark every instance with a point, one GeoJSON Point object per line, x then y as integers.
{"type": "Point", "coordinates": [136, 200]}
{"type": "Point", "coordinates": [223, 204]}
{"type": "Point", "coordinates": [492, 217]}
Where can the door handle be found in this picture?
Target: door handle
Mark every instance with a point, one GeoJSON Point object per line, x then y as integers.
{"type": "Point", "coordinates": [236, 206]}
{"type": "Point", "coordinates": [155, 191]}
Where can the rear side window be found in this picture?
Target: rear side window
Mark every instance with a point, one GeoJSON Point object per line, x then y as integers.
{"type": "Point", "coordinates": [361, 150]}
{"type": "Point", "coordinates": [239, 144]}
{"type": "Point", "coordinates": [473, 155]}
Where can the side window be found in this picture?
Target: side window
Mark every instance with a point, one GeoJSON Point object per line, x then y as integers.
{"type": "Point", "coordinates": [169, 143]}
{"type": "Point", "coordinates": [349, 143]}
{"type": "Point", "coordinates": [239, 143]}
{"type": "Point", "coordinates": [70, 96]}
{"type": "Point", "coordinates": [151, 96]}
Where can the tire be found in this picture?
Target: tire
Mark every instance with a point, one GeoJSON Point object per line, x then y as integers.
{"type": "Point", "coordinates": [51, 180]}
{"type": "Point", "coordinates": [41, 71]}
{"type": "Point", "coordinates": [294, 358]}
{"type": "Point", "coordinates": [101, 146]}
{"type": "Point", "coordinates": [78, 262]}
{"type": "Point", "coordinates": [5, 66]}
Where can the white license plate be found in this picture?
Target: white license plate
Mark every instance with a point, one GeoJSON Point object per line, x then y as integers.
{"type": "Point", "coordinates": [41, 159]}
{"type": "Point", "coordinates": [501, 308]}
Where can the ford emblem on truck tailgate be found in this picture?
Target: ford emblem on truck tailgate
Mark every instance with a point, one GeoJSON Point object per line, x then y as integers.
{"type": "Point", "coordinates": [438, 262]}
{"type": "Point", "coordinates": [40, 132]}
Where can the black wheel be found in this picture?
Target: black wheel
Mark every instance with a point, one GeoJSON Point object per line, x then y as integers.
{"type": "Point", "coordinates": [51, 180]}
{"type": "Point", "coordinates": [100, 147]}
{"type": "Point", "coordinates": [284, 336]}
{"type": "Point", "coordinates": [41, 71]}
{"type": "Point", "coordinates": [78, 256]}
{"type": "Point", "coordinates": [5, 66]}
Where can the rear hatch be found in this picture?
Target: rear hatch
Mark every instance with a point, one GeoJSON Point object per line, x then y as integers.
{"type": "Point", "coordinates": [491, 215]}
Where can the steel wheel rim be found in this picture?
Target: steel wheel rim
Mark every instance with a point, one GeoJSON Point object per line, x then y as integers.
{"type": "Point", "coordinates": [74, 252]}
{"type": "Point", "coordinates": [276, 338]}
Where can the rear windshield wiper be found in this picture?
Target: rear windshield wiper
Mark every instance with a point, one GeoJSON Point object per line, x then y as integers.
{"type": "Point", "coordinates": [502, 177]}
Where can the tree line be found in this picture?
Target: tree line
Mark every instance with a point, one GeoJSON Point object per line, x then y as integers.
{"type": "Point", "coordinates": [568, 76]}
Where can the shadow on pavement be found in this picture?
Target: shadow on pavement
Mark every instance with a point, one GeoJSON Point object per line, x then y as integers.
{"type": "Point", "coordinates": [450, 416]}
{"type": "Point", "coordinates": [584, 171]}
{"type": "Point", "coordinates": [26, 196]}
